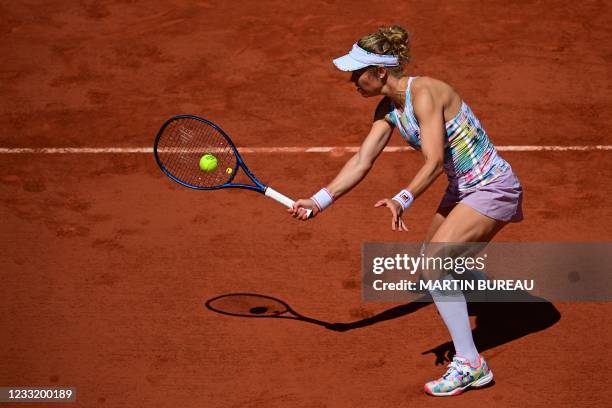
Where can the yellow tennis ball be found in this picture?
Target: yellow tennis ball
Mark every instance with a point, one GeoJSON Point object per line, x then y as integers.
{"type": "Point", "coordinates": [228, 170]}
{"type": "Point", "coordinates": [208, 163]}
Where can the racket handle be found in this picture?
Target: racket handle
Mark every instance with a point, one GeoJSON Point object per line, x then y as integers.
{"type": "Point", "coordinates": [284, 200]}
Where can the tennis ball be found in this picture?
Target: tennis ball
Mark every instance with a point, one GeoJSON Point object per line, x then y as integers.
{"type": "Point", "coordinates": [208, 163]}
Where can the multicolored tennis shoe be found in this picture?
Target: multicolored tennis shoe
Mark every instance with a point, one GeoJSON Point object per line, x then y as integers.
{"type": "Point", "coordinates": [459, 377]}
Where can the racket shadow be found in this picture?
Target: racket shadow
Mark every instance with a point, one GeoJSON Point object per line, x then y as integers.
{"type": "Point", "coordinates": [252, 305]}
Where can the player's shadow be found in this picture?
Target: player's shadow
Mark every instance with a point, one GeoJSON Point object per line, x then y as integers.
{"type": "Point", "coordinates": [497, 322]}
{"type": "Point", "coordinates": [501, 322]}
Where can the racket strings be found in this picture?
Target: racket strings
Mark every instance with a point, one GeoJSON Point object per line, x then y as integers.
{"type": "Point", "coordinates": [184, 141]}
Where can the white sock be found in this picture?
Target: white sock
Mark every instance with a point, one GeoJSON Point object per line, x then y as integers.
{"type": "Point", "coordinates": [453, 309]}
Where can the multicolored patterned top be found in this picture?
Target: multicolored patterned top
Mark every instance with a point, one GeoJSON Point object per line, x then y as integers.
{"type": "Point", "coordinates": [470, 159]}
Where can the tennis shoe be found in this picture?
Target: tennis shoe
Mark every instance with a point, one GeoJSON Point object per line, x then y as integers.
{"type": "Point", "coordinates": [459, 377]}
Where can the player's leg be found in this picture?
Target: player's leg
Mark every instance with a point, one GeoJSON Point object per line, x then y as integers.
{"type": "Point", "coordinates": [436, 222]}
{"type": "Point", "coordinates": [463, 224]}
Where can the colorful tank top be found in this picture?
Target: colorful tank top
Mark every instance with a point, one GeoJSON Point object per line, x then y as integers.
{"type": "Point", "coordinates": [470, 159]}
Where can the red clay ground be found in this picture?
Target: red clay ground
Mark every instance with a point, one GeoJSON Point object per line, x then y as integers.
{"type": "Point", "coordinates": [107, 264]}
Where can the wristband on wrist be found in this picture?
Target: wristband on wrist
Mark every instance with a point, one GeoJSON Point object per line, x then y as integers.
{"type": "Point", "coordinates": [323, 199]}
{"type": "Point", "coordinates": [405, 198]}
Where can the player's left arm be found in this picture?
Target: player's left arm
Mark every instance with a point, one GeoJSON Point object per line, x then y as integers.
{"type": "Point", "coordinates": [430, 114]}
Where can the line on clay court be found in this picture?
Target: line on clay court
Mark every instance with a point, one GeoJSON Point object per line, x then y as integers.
{"type": "Point", "coordinates": [255, 150]}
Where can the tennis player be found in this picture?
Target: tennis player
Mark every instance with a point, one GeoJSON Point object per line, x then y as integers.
{"type": "Point", "coordinates": [483, 194]}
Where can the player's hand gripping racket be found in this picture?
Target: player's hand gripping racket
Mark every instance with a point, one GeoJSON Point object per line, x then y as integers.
{"type": "Point", "coordinates": [183, 140]}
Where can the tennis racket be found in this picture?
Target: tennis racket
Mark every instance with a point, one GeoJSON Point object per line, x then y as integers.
{"type": "Point", "coordinates": [184, 139]}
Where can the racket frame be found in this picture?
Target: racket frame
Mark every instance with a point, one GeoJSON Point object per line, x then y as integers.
{"type": "Point", "coordinates": [259, 186]}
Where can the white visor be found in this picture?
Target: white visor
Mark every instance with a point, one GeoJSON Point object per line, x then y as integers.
{"type": "Point", "coordinates": [359, 58]}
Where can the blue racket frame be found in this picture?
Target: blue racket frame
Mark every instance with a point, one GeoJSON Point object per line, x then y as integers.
{"type": "Point", "coordinates": [259, 186]}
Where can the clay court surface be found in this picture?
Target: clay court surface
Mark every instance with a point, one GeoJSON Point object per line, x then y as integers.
{"type": "Point", "coordinates": [107, 264]}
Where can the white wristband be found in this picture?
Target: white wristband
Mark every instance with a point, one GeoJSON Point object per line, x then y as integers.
{"type": "Point", "coordinates": [323, 199]}
{"type": "Point", "coordinates": [405, 198]}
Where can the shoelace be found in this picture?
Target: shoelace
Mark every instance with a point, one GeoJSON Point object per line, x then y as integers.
{"type": "Point", "coordinates": [455, 365]}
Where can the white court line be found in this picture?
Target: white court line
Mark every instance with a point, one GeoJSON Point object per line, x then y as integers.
{"type": "Point", "coordinates": [316, 149]}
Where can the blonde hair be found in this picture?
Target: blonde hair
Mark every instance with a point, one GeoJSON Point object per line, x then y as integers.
{"type": "Point", "coordinates": [393, 40]}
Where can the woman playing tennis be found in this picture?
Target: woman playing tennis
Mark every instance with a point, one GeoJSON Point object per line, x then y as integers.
{"type": "Point", "coordinates": [483, 194]}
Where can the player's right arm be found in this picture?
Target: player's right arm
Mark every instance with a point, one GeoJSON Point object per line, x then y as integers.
{"type": "Point", "coordinates": [356, 168]}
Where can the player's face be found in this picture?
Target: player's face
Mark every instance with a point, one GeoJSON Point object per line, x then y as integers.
{"type": "Point", "coordinates": [366, 82]}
